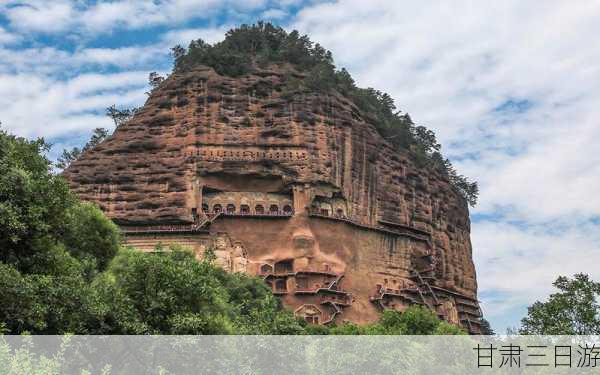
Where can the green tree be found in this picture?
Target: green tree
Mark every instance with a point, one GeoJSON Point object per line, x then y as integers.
{"type": "Point", "coordinates": [486, 327]}
{"type": "Point", "coordinates": [177, 52]}
{"type": "Point", "coordinates": [257, 311]}
{"type": "Point", "coordinates": [154, 80]}
{"type": "Point", "coordinates": [20, 310]}
{"type": "Point", "coordinates": [120, 116]}
{"type": "Point", "coordinates": [90, 236]}
{"type": "Point", "coordinates": [44, 232]}
{"type": "Point", "coordinates": [33, 204]}
{"type": "Point", "coordinates": [69, 156]}
{"type": "Point", "coordinates": [98, 135]}
{"type": "Point", "coordinates": [574, 310]}
{"type": "Point", "coordinates": [170, 292]}
{"type": "Point", "coordinates": [416, 320]}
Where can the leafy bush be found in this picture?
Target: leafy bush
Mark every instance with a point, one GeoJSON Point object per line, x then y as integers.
{"type": "Point", "coordinates": [89, 235]}
{"type": "Point", "coordinates": [251, 45]}
{"type": "Point", "coordinates": [416, 320]}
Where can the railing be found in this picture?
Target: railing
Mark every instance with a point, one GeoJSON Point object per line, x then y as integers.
{"type": "Point", "coordinates": [301, 271]}
{"type": "Point", "coordinates": [415, 233]}
{"type": "Point", "coordinates": [345, 301]}
{"type": "Point", "coordinates": [406, 227]}
{"type": "Point", "coordinates": [331, 287]}
{"type": "Point", "coordinates": [208, 218]}
{"type": "Point", "coordinates": [400, 293]}
{"type": "Point", "coordinates": [462, 310]}
{"type": "Point", "coordinates": [422, 282]}
{"type": "Point", "coordinates": [465, 306]}
{"type": "Point", "coordinates": [468, 303]}
{"type": "Point", "coordinates": [319, 290]}
{"type": "Point", "coordinates": [175, 228]}
{"type": "Point", "coordinates": [307, 271]}
{"type": "Point", "coordinates": [257, 214]}
{"type": "Point", "coordinates": [454, 293]}
{"type": "Point", "coordinates": [470, 323]}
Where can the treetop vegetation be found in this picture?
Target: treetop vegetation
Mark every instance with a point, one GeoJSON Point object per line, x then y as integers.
{"type": "Point", "coordinates": [249, 47]}
{"type": "Point", "coordinates": [120, 115]}
{"type": "Point", "coordinates": [98, 135]}
{"type": "Point", "coordinates": [573, 310]}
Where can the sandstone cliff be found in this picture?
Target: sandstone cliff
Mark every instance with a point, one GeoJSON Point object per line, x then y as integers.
{"type": "Point", "coordinates": [204, 142]}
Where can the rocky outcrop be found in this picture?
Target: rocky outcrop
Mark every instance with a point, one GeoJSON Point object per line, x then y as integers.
{"type": "Point", "coordinates": [289, 176]}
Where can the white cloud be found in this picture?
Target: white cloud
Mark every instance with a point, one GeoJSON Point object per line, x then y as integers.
{"type": "Point", "coordinates": [78, 17]}
{"type": "Point", "coordinates": [139, 14]}
{"type": "Point", "coordinates": [183, 37]}
{"type": "Point", "coordinates": [46, 91]}
{"type": "Point", "coordinates": [39, 106]}
{"type": "Point", "coordinates": [7, 37]}
{"type": "Point", "coordinates": [121, 57]}
{"type": "Point", "coordinates": [43, 59]}
{"type": "Point", "coordinates": [40, 16]}
{"type": "Point", "coordinates": [517, 265]}
{"type": "Point", "coordinates": [49, 60]}
{"type": "Point", "coordinates": [274, 14]}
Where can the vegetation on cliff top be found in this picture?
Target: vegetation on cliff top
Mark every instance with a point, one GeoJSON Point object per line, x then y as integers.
{"type": "Point", "coordinates": [62, 270]}
{"type": "Point", "coordinates": [250, 46]}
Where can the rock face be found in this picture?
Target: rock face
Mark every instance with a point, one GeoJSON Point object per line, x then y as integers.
{"type": "Point", "coordinates": [298, 188]}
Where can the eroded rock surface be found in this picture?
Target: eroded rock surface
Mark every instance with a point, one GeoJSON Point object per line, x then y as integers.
{"type": "Point", "coordinates": [299, 188]}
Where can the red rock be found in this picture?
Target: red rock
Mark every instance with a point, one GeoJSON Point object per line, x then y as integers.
{"type": "Point", "coordinates": [360, 217]}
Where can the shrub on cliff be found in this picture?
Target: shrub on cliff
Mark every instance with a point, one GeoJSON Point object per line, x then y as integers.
{"type": "Point", "coordinates": [69, 156]}
{"type": "Point", "coordinates": [247, 45]}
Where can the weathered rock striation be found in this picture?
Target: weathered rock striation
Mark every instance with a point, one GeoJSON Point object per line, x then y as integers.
{"type": "Point", "coordinates": [297, 187]}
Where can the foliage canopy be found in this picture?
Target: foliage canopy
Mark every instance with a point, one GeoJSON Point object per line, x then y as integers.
{"type": "Point", "coordinates": [574, 310]}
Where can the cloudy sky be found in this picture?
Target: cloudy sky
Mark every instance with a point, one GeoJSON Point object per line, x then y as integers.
{"type": "Point", "coordinates": [511, 88]}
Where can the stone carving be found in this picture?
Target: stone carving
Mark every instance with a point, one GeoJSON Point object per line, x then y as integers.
{"type": "Point", "coordinates": [448, 309]}
{"type": "Point", "coordinates": [224, 153]}
{"type": "Point", "coordinates": [230, 256]}
{"type": "Point", "coordinates": [239, 259]}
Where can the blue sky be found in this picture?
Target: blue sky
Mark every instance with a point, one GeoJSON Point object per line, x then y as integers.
{"type": "Point", "coordinates": [512, 90]}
